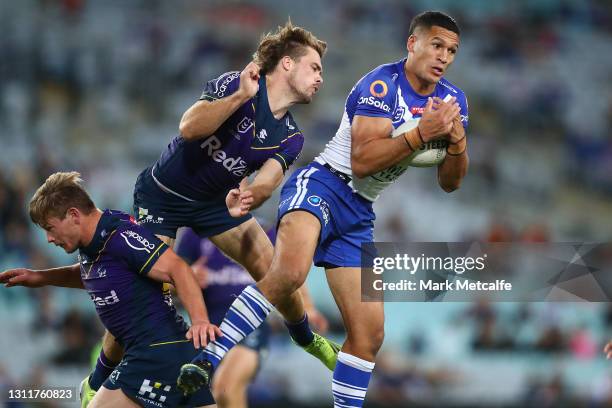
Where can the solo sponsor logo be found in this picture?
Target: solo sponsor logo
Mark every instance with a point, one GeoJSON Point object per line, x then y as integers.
{"type": "Point", "coordinates": [370, 100]}
{"type": "Point", "coordinates": [378, 88]}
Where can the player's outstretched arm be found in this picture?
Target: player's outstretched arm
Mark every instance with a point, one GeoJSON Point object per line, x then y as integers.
{"type": "Point", "coordinates": [454, 167]}
{"type": "Point", "coordinates": [203, 118]}
{"type": "Point", "coordinates": [250, 196]}
{"type": "Point", "coordinates": [65, 276]}
{"type": "Point", "coordinates": [170, 268]}
{"type": "Point", "coordinates": [372, 150]}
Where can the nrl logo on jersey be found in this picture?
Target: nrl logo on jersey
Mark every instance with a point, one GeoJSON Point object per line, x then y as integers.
{"type": "Point", "coordinates": [244, 125]}
{"type": "Point", "coordinates": [399, 114]}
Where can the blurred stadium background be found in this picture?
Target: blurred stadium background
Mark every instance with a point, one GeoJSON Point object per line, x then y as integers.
{"type": "Point", "coordinates": [99, 86]}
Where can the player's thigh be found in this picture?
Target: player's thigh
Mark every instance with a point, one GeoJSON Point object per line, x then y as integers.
{"type": "Point", "coordinates": [236, 371]}
{"type": "Point", "coordinates": [364, 321]}
{"type": "Point", "coordinates": [296, 241]}
{"type": "Point", "coordinates": [249, 245]}
{"type": "Point", "coordinates": [106, 398]}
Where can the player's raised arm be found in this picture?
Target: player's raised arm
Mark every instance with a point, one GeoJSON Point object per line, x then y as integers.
{"type": "Point", "coordinates": [170, 268]}
{"type": "Point", "coordinates": [204, 117]}
{"type": "Point", "coordinates": [65, 276]}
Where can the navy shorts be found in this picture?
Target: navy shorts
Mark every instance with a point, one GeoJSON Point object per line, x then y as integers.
{"type": "Point", "coordinates": [147, 374]}
{"type": "Point", "coordinates": [163, 213]}
{"type": "Point", "coordinates": [347, 219]}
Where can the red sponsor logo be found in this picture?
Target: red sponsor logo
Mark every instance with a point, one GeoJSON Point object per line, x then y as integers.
{"type": "Point", "coordinates": [417, 110]}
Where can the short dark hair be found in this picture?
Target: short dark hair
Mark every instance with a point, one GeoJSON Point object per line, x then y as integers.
{"type": "Point", "coordinates": [287, 40]}
{"type": "Point", "coordinates": [429, 19]}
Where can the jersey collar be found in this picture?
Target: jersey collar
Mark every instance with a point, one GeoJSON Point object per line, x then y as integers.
{"type": "Point", "coordinates": [263, 104]}
{"type": "Point", "coordinates": [109, 221]}
{"type": "Point", "coordinates": [405, 85]}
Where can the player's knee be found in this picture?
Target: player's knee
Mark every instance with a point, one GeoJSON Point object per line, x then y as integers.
{"type": "Point", "coordinates": [281, 285]}
{"type": "Point", "coordinates": [366, 342]}
{"type": "Point", "coordinates": [377, 340]}
{"type": "Point", "coordinates": [295, 278]}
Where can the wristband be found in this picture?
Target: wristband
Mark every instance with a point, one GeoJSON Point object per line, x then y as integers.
{"type": "Point", "coordinates": [413, 139]}
{"type": "Point", "coordinates": [457, 148]}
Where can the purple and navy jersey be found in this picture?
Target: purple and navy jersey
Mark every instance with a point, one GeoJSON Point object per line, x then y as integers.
{"type": "Point", "coordinates": [226, 279]}
{"type": "Point", "coordinates": [114, 268]}
{"type": "Point", "coordinates": [243, 143]}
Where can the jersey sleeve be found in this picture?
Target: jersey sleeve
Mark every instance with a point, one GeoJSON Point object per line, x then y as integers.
{"type": "Point", "coordinates": [463, 106]}
{"type": "Point", "coordinates": [221, 87]}
{"type": "Point", "coordinates": [375, 95]}
{"type": "Point", "coordinates": [138, 247]}
{"type": "Point", "coordinates": [290, 150]}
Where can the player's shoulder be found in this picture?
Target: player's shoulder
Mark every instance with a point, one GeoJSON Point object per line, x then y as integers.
{"type": "Point", "coordinates": [381, 83]}
{"type": "Point", "coordinates": [225, 79]}
{"type": "Point", "coordinates": [386, 73]}
{"type": "Point", "coordinates": [222, 85]}
{"type": "Point", "coordinates": [129, 235]}
{"type": "Point", "coordinates": [455, 91]}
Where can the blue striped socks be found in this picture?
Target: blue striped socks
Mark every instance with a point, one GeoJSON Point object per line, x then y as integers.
{"type": "Point", "coordinates": [350, 381]}
{"type": "Point", "coordinates": [246, 314]}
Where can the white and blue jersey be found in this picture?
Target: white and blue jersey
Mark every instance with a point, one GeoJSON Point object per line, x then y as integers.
{"type": "Point", "coordinates": [386, 93]}
{"type": "Point", "coordinates": [327, 187]}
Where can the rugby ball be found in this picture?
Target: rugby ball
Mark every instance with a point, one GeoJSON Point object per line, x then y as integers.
{"type": "Point", "coordinates": [430, 154]}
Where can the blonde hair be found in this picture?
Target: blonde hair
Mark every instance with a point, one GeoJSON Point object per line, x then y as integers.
{"type": "Point", "coordinates": [288, 40]}
{"type": "Point", "coordinates": [60, 192]}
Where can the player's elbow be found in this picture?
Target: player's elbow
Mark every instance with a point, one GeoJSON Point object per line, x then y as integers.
{"type": "Point", "coordinates": [449, 184]}
{"type": "Point", "coordinates": [449, 188]}
{"type": "Point", "coordinates": [359, 167]}
{"type": "Point", "coordinates": [187, 130]}
{"type": "Point", "coordinates": [265, 193]}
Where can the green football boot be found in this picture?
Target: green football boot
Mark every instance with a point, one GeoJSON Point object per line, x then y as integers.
{"type": "Point", "coordinates": [86, 394]}
{"type": "Point", "coordinates": [324, 350]}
